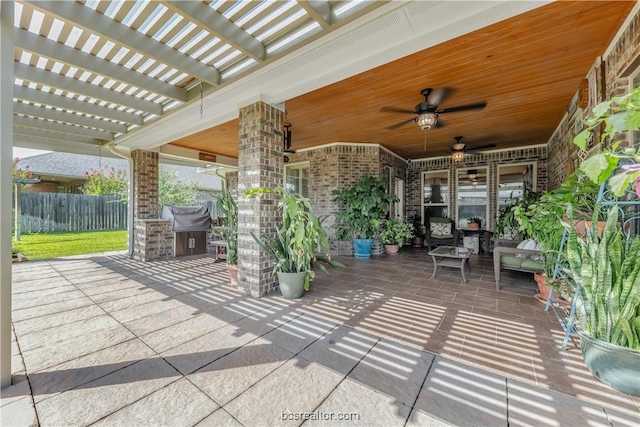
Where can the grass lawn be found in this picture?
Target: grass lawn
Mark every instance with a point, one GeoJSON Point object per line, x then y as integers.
{"type": "Point", "coordinates": [51, 245]}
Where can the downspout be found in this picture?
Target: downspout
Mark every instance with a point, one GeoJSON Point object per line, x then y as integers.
{"type": "Point", "coordinates": [130, 218]}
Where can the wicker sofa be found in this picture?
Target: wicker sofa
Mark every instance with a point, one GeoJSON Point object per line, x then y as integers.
{"type": "Point", "coordinates": [507, 256]}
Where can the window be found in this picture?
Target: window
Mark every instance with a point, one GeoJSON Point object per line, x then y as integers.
{"type": "Point", "coordinates": [514, 180]}
{"type": "Point", "coordinates": [435, 194]}
{"type": "Point", "coordinates": [472, 196]}
{"type": "Point", "coordinates": [296, 178]}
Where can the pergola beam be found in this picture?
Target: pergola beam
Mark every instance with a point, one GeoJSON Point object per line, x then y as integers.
{"type": "Point", "coordinates": [97, 23]}
{"type": "Point", "coordinates": [44, 77]}
{"type": "Point", "coordinates": [21, 133]}
{"type": "Point", "coordinates": [320, 11]}
{"type": "Point", "coordinates": [46, 98]}
{"type": "Point", "coordinates": [217, 24]}
{"type": "Point", "coordinates": [61, 127]}
{"type": "Point", "coordinates": [42, 46]}
{"type": "Point", "coordinates": [67, 117]}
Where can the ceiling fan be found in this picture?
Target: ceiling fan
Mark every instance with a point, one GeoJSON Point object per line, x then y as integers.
{"type": "Point", "coordinates": [427, 112]}
{"type": "Point", "coordinates": [459, 150]}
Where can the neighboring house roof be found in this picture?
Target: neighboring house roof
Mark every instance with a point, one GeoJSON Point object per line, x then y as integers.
{"type": "Point", "coordinates": [66, 165]}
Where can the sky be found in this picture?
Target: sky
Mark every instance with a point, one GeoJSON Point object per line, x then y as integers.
{"type": "Point", "coordinates": [26, 152]}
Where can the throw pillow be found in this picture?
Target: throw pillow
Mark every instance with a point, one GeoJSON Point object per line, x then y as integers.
{"type": "Point", "coordinates": [440, 228]}
{"type": "Point", "coordinates": [528, 244]}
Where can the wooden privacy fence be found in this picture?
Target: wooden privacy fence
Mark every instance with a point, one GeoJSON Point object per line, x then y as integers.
{"type": "Point", "coordinates": [46, 212]}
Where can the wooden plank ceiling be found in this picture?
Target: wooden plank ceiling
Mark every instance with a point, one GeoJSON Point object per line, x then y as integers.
{"type": "Point", "coordinates": [526, 68]}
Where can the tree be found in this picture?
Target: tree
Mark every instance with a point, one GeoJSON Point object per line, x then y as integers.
{"type": "Point", "coordinates": [174, 191]}
{"type": "Point", "coordinates": [20, 173]}
{"type": "Point", "coordinates": [106, 182]}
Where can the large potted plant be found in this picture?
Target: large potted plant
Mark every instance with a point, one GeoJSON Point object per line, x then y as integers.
{"type": "Point", "coordinates": [229, 231]}
{"type": "Point", "coordinates": [300, 243]}
{"type": "Point", "coordinates": [606, 272]}
{"type": "Point", "coordinates": [364, 206]}
{"type": "Point", "coordinates": [393, 234]}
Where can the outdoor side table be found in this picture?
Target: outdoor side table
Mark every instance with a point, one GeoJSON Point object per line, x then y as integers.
{"type": "Point", "coordinates": [450, 256]}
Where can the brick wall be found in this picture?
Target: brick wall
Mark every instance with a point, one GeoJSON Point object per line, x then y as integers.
{"type": "Point", "coordinates": [145, 184]}
{"type": "Point", "coordinates": [340, 166]}
{"type": "Point", "coordinates": [489, 160]}
{"type": "Point", "coordinates": [153, 240]}
{"type": "Point", "coordinates": [260, 164]}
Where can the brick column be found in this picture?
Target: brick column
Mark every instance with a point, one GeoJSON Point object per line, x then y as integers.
{"type": "Point", "coordinates": [152, 237]}
{"type": "Point", "coordinates": [260, 164]}
{"type": "Point", "coordinates": [145, 184]}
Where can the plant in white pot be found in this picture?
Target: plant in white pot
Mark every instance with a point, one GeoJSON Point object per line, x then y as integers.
{"type": "Point", "coordinates": [299, 245]}
{"type": "Point", "coordinates": [229, 231]}
{"type": "Point", "coordinates": [393, 234]}
{"type": "Point", "coordinates": [606, 273]}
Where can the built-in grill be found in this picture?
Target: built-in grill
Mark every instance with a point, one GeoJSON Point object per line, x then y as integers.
{"type": "Point", "coordinates": [190, 225]}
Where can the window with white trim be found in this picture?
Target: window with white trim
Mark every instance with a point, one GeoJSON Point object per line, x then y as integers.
{"type": "Point", "coordinates": [472, 196]}
{"type": "Point", "coordinates": [435, 194]}
{"type": "Point", "coordinates": [296, 178]}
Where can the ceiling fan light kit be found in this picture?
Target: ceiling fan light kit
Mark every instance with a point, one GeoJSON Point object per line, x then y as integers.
{"type": "Point", "coordinates": [457, 156]}
{"type": "Point", "coordinates": [427, 121]}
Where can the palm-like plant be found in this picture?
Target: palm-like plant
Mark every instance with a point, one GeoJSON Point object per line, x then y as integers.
{"type": "Point", "coordinates": [229, 232]}
{"type": "Point", "coordinates": [299, 240]}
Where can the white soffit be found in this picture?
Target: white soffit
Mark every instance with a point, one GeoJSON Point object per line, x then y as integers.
{"type": "Point", "coordinates": [385, 34]}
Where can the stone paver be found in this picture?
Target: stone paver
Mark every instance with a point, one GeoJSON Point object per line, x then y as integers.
{"type": "Point", "coordinates": [175, 345]}
{"type": "Point", "coordinates": [179, 404]}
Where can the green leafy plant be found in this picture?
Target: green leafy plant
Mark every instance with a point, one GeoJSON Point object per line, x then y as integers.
{"type": "Point", "coordinates": [395, 232]}
{"type": "Point", "coordinates": [620, 167]}
{"type": "Point", "coordinates": [417, 226]}
{"type": "Point", "coordinates": [474, 220]}
{"type": "Point", "coordinates": [507, 222]}
{"type": "Point", "coordinates": [606, 272]}
{"type": "Point", "coordinates": [364, 206]}
{"type": "Point", "coordinates": [105, 182]}
{"type": "Point", "coordinates": [229, 231]}
{"type": "Point", "coordinates": [300, 239]}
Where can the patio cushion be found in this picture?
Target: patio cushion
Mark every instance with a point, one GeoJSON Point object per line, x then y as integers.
{"type": "Point", "coordinates": [528, 244]}
{"type": "Point", "coordinates": [511, 261]}
{"type": "Point", "coordinates": [442, 236]}
{"type": "Point", "coordinates": [441, 229]}
{"type": "Point", "coordinates": [533, 265]}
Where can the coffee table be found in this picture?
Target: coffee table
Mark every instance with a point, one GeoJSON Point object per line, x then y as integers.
{"type": "Point", "coordinates": [450, 256]}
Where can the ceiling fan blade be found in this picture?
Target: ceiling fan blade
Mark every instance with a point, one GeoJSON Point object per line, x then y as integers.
{"type": "Point", "coordinates": [398, 125]}
{"type": "Point", "coordinates": [438, 95]}
{"type": "Point", "coordinates": [476, 106]}
{"type": "Point", "coordinates": [395, 110]}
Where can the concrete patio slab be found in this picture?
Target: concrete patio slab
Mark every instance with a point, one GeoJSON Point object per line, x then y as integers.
{"type": "Point", "coordinates": [243, 361]}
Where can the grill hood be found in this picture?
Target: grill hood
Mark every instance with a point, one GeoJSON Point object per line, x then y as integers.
{"type": "Point", "coordinates": [187, 218]}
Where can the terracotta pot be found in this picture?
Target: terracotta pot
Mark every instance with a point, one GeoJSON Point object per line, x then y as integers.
{"type": "Point", "coordinates": [582, 225]}
{"type": "Point", "coordinates": [474, 226]}
{"type": "Point", "coordinates": [392, 250]}
{"type": "Point", "coordinates": [543, 288]}
{"type": "Point", "coordinates": [233, 273]}
{"type": "Point", "coordinates": [417, 242]}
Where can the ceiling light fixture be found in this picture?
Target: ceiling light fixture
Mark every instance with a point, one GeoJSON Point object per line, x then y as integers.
{"type": "Point", "coordinates": [457, 156]}
{"type": "Point", "coordinates": [427, 120]}
{"type": "Point", "coordinates": [472, 174]}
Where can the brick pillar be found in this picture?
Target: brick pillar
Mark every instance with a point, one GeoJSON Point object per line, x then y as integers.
{"type": "Point", "coordinates": [152, 237]}
{"type": "Point", "coordinates": [145, 184]}
{"type": "Point", "coordinates": [260, 164]}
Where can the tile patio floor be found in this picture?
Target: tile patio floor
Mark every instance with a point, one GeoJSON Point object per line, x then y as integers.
{"type": "Point", "coordinates": [110, 341]}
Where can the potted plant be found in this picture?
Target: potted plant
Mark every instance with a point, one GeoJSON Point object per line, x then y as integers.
{"type": "Point", "coordinates": [229, 231]}
{"type": "Point", "coordinates": [507, 226]}
{"type": "Point", "coordinates": [297, 245]}
{"type": "Point", "coordinates": [365, 205]}
{"type": "Point", "coordinates": [418, 231]}
{"type": "Point", "coordinates": [606, 272]}
{"type": "Point", "coordinates": [474, 223]}
{"type": "Point", "coordinates": [393, 234]}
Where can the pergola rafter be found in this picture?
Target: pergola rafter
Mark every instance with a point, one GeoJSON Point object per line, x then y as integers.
{"type": "Point", "coordinates": [52, 126]}
{"type": "Point", "coordinates": [22, 133]}
{"type": "Point", "coordinates": [319, 10]}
